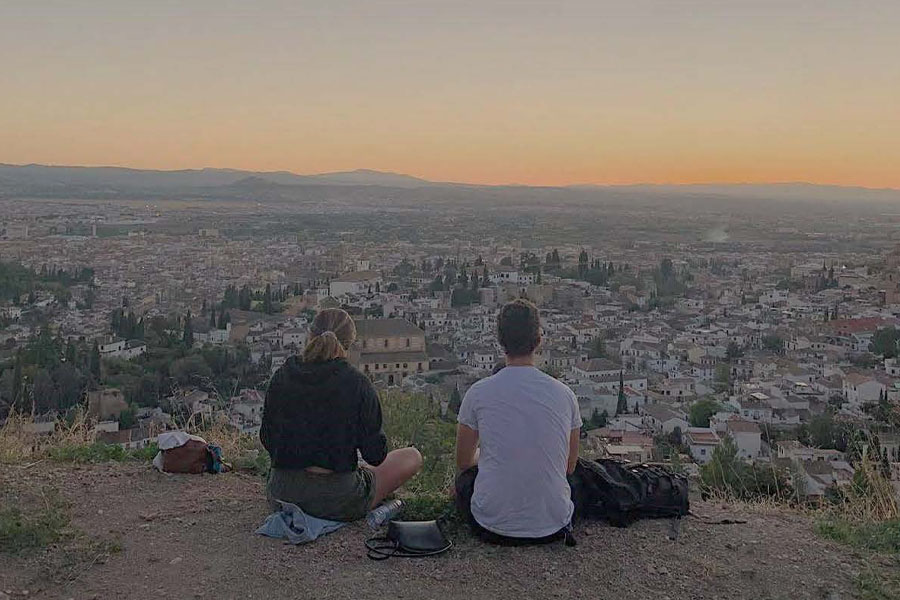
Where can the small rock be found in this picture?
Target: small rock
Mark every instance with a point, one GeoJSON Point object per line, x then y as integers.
{"type": "Point", "coordinates": [663, 571]}
{"type": "Point", "coordinates": [145, 526]}
{"type": "Point", "coordinates": [175, 560]}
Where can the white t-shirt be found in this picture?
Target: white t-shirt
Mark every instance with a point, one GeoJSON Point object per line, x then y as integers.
{"type": "Point", "coordinates": [524, 419]}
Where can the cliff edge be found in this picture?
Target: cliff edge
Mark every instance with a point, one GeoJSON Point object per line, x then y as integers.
{"type": "Point", "coordinates": [126, 531]}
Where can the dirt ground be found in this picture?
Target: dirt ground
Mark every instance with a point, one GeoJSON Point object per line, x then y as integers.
{"type": "Point", "coordinates": [192, 537]}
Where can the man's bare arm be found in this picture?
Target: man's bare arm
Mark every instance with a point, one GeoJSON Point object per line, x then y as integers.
{"type": "Point", "coordinates": [466, 447]}
{"type": "Point", "coordinates": [574, 439]}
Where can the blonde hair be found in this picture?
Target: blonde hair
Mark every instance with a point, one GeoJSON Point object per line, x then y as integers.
{"type": "Point", "coordinates": [333, 333]}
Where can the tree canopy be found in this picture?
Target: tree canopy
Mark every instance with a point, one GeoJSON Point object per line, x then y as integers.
{"type": "Point", "coordinates": [702, 410]}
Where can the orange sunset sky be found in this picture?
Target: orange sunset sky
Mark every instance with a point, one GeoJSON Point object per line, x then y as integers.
{"type": "Point", "coordinates": [487, 91]}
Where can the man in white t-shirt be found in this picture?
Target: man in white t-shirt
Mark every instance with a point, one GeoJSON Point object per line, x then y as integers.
{"type": "Point", "coordinates": [516, 442]}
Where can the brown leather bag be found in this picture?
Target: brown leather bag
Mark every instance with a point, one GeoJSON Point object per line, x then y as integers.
{"type": "Point", "coordinates": [192, 457]}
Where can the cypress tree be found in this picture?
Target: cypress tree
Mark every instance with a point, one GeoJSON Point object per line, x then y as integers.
{"type": "Point", "coordinates": [455, 401]}
{"type": "Point", "coordinates": [267, 300]}
{"type": "Point", "coordinates": [188, 335]}
{"type": "Point", "coordinates": [95, 362]}
{"type": "Point", "coordinates": [622, 403]}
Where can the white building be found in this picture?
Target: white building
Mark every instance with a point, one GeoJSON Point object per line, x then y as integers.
{"type": "Point", "coordinates": [356, 282]}
{"type": "Point", "coordinates": [483, 358]}
{"type": "Point", "coordinates": [746, 436]}
{"type": "Point", "coordinates": [213, 336]}
{"type": "Point", "coordinates": [505, 274]}
{"type": "Point", "coordinates": [124, 349]}
{"type": "Point", "coordinates": [701, 441]}
{"type": "Point", "coordinates": [663, 419]}
{"type": "Point", "coordinates": [596, 369]}
{"type": "Point", "coordinates": [861, 389]}
{"type": "Point", "coordinates": [294, 337]}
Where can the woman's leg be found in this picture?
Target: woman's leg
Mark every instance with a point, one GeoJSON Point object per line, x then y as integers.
{"type": "Point", "coordinates": [398, 467]}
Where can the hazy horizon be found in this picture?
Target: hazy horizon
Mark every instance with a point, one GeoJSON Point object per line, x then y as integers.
{"type": "Point", "coordinates": [492, 92]}
{"type": "Point", "coordinates": [439, 182]}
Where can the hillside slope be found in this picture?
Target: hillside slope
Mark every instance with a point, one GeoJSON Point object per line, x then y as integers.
{"type": "Point", "coordinates": [191, 537]}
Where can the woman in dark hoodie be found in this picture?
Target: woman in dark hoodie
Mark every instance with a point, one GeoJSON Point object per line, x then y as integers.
{"type": "Point", "coordinates": [319, 412]}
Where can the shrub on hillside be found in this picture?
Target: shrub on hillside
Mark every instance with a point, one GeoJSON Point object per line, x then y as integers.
{"type": "Point", "coordinates": [727, 475]}
{"type": "Point", "coordinates": [100, 452]}
{"type": "Point", "coordinates": [415, 419]}
{"type": "Point", "coordinates": [702, 410]}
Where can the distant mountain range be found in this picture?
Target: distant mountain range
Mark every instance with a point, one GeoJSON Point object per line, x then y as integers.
{"type": "Point", "coordinates": [46, 179]}
{"type": "Point", "coordinates": [122, 177]}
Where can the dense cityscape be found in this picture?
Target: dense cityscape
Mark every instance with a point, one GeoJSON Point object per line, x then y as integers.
{"type": "Point", "coordinates": [680, 330]}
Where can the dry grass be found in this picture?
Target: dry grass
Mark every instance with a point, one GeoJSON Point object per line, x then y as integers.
{"type": "Point", "coordinates": [244, 452]}
{"type": "Point", "coordinates": [869, 498]}
{"type": "Point", "coordinates": [19, 443]}
{"type": "Point", "coordinates": [760, 505]}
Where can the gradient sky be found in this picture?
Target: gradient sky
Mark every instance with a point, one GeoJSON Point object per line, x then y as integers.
{"type": "Point", "coordinates": [488, 91]}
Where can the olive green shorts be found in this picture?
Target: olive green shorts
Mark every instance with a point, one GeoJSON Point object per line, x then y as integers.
{"type": "Point", "coordinates": [333, 496]}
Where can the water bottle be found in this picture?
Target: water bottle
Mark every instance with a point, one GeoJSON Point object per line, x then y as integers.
{"type": "Point", "coordinates": [384, 513]}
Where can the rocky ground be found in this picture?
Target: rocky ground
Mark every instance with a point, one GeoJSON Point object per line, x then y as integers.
{"type": "Point", "coordinates": [141, 534]}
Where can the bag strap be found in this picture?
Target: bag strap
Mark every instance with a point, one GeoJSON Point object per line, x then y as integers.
{"type": "Point", "coordinates": [383, 548]}
{"type": "Point", "coordinates": [380, 548]}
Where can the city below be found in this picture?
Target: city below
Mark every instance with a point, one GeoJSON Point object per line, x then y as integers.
{"type": "Point", "coordinates": [680, 318]}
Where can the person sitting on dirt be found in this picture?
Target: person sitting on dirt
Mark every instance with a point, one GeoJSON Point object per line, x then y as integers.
{"type": "Point", "coordinates": [319, 411]}
{"type": "Point", "coordinates": [517, 440]}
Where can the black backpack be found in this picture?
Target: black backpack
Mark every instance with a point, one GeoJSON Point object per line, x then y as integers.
{"type": "Point", "coordinates": [623, 492]}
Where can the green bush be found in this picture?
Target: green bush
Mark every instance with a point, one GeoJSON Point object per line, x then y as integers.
{"type": "Point", "coordinates": [727, 475]}
{"type": "Point", "coordinates": [99, 452]}
{"type": "Point", "coordinates": [256, 462]}
{"type": "Point", "coordinates": [702, 410]}
{"type": "Point", "coordinates": [881, 536]}
{"type": "Point", "coordinates": [416, 420]}
{"type": "Point", "coordinates": [425, 507]}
